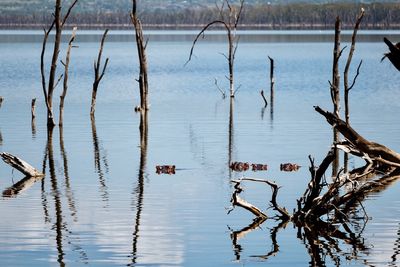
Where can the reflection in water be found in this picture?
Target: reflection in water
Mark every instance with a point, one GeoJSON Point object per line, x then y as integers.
{"type": "Point", "coordinates": [256, 224]}
{"type": "Point", "coordinates": [68, 191]}
{"type": "Point", "coordinates": [59, 226]}
{"type": "Point", "coordinates": [98, 160]}
{"type": "Point", "coordinates": [139, 190]}
{"type": "Point", "coordinates": [396, 250]}
{"type": "Point", "coordinates": [1, 139]}
{"type": "Point", "coordinates": [20, 186]}
{"type": "Point", "coordinates": [33, 128]}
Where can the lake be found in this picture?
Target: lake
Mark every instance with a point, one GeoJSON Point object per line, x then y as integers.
{"type": "Point", "coordinates": [102, 203]}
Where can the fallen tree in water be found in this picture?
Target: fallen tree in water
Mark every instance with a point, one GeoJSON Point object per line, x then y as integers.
{"type": "Point", "coordinates": [323, 211]}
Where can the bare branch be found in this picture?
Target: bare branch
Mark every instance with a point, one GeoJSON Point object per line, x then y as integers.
{"type": "Point", "coordinates": [355, 77]}
{"type": "Point", "coordinates": [200, 34]}
{"type": "Point", "coordinates": [68, 12]}
{"type": "Point", "coordinates": [219, 88]}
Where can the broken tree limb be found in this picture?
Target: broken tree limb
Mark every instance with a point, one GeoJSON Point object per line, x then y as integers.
{"type": "Point", "coordinates": [374, 150]}
{"type": "Point", "coordinates": [20, 165]}
{"type": "Point", "coordinates": [236, 200]}
{"type": "Point", "coordinates": [284, 214]}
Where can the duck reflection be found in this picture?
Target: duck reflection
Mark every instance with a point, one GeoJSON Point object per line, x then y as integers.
{"type": "Point", "coordinates": [138, 191]}
{"type": "Point", "coordinates": [1, 139]}
{"type": "Point", "coordinates": [396, 250]}
{"type": "Point", "coordinates": [100, 163]}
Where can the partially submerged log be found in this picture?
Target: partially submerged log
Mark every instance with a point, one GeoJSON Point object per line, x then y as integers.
{"type": "Point", "coordinates": [20, 165]}
{"type": "Point", "coordinates": [375, 151]}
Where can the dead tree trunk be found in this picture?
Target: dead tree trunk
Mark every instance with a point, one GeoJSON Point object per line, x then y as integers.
{"type": "Point", "coordinates": [141, 48]}
{"type": "Point", "coordinates": [335, 90]}
{"type": "Point", "coordinates": [58, 22]}
{"type": "Point", "coordinates": [66, 66]}
{"type": "Point", "coordinates": [348, 87]}
{"type": "Point", "coordinates": [229, 19]}
{"type": "Point", "coordinates": [272, 79]}
{"type": "Point", "coordinates": [20, 165]}
{"type": "Point", "coordinates": [97, 75]}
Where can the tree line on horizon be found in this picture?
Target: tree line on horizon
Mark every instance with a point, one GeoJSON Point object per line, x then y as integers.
{"type": "Point", "coordinates": [263, 16]}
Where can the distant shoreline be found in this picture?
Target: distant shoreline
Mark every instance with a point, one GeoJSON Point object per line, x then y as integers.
{"type": "Point", "coordinates": [15, 26]}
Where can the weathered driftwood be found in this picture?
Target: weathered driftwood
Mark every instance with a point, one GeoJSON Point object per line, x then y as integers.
{"type": "Point", "coordinates": [375, 151]}
{"type": "Point", "coordinates": [97, 74]}
{"type": "Point", "coordinates": [48, 91]}
{"type": "Point", "coordinates": [141, 48]}
{"type": "Point", "coordinates": [65, 84]}
{"type": "Point", "coordinates": [229, 20]}
{"type": "Point", "coordinates": [237, 201]}
{"type": "Point", "coordinates": [20, 165]}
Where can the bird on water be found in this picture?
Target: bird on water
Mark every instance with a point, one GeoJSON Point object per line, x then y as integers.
{"type": "Point", "coordinates": [394, 54]}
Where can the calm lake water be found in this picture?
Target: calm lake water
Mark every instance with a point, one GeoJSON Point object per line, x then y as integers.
{"type": "Point", "coordinates": [96, 207]}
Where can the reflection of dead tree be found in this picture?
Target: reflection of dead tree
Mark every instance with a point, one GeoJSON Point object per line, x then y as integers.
{"type": "Point", "coordinates": [141, 47]}
{"type": "Point", "coordinates": [69, 194]}
{"type": "Point", "coordinates": [229, 19]}
{"type": "Point", "coordinates": [396, 250]}
{"type": "Point", "coordinates": [97, 74]}
{"type": "Point", "coordinates": [237, 235]}
{"type": "Point", "coordinates": [139, 190]}
{"type": "Point", "coordinates": [97, 161]}
{"type": "Point", "coordinates": [65, 84]}
{"type": "Point", "coordinates": [59, 225]}
{"type": "Point", "coordinates": [58, 23]}
{"type": "Point", "coordinates": [21, 185]}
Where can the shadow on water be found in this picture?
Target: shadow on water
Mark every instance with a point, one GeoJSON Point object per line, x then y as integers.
{"type": "Point", "coordinates": [138, 191]}
{"type": "Point", "coordinates": [100, 162]}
